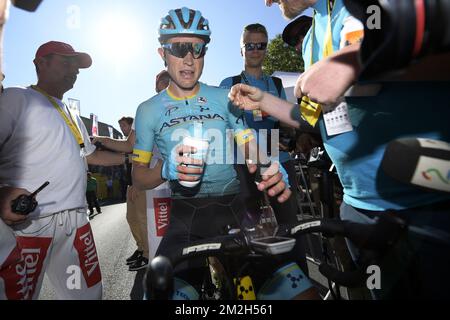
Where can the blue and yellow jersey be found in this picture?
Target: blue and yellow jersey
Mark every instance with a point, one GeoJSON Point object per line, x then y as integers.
{"type": "Point", "coordinates": [165, 119]}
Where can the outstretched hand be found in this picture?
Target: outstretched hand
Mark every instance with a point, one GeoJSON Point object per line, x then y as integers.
{"type": "Point", "coordinates": [328, 79]}
{"type": "Point", "coordinates": [245, 97]}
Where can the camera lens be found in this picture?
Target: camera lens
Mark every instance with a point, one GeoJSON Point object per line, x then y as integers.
{"type": "Point", "coordinates": [437, 26]}
{"type": "Point", "coordinates": [407, 30]}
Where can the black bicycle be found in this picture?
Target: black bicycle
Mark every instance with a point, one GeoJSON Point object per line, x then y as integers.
{"type": "Point", "coordinates": [224, 256]}
{"type": "Point", "coordinates": [373, 240]}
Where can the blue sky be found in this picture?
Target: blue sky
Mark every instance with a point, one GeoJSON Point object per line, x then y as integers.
{"type": "Point", "coordinates": [121, 36]}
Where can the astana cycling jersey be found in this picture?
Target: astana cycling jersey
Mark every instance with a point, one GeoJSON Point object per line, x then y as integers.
{"type": "Point", "coordinates": [165, 120]}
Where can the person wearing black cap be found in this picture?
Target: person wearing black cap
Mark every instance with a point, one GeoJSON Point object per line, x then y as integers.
{"type": "Point", "coordinates": [373, 114]}
{"type": "Point", "coordinates": [42, 141]}
{"type": "Point", "coordinates": [295, 32]}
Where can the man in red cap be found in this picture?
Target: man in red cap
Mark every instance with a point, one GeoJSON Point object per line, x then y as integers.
{"type": "Point", "coordinates": [42, 141]}
{"type": "Point", "coordinates": [60, 63]}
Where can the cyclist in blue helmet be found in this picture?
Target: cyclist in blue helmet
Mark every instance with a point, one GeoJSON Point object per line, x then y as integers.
{"type": "Point", "coordinates": [190, 108]}
{"type": "Point", "coordinates": [184, 22]}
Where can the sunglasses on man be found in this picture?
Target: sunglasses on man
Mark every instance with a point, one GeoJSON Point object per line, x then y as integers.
{"type": "Point", "coordinates": [181, 49]}
{"type": "Point", "coordinates": [255, 46]}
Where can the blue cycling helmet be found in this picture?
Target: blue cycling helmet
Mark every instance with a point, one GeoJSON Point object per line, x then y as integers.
{"type": "Point", "coordinates": [184, 22]}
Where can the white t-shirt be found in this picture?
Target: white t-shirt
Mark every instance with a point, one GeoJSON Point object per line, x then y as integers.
{"type": "Point", "coordinates": [36, 145]}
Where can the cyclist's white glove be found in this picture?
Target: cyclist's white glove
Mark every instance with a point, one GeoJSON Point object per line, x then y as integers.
{"type": "Point", "coordinates": [169, 168]}
{"type": "Point", "coordinates": [268, 171]}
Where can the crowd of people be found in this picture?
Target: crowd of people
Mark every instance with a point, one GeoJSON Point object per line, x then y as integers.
{"type": "Point", "coordinates": [182, 135]}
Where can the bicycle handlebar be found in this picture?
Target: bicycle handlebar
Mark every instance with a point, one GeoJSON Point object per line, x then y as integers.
{"type": "Point", "coordinates": [372, 239]}
{"type": "Point", "coordinates": [227, 244]}
{"type": "Point", "coordinates": [159, 276]}
{"type": "Point", "coordinates": [364, 236]}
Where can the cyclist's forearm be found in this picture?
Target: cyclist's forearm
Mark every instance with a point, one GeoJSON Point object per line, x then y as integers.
{"type": "Point", "coordinates": [146, 178]}
{"type": "Point", "coordinates": [105, 158]}
{"type": "Point", "coordinates": [281, 109]}
{"type": "Point", "coordinates": [117, 145]}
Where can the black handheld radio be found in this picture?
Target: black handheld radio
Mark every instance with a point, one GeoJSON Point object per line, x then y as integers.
{"type": "Point", "coordinates": [24, 204]}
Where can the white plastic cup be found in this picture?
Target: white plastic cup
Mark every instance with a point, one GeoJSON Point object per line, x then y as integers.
{"type": "Point", "coordinates": [202, 146]}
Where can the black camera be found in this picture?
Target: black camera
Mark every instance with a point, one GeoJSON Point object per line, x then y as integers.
{"type": "Point", "coordinates": [397, 32]}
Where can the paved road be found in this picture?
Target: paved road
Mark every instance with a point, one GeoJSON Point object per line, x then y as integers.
{"type": "Point", "coordinates": [114, 244]}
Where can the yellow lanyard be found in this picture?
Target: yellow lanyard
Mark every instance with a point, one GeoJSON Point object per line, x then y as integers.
{"type": "Point", "coordinates": [69, 121]}
{"type": "Point", "coordinates": [309, 109]}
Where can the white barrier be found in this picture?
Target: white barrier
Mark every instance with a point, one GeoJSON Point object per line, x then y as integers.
{"type": "Point", "coordinates": [158, 215]}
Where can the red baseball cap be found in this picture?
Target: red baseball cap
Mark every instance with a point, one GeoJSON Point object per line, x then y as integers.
{"type": "Point", "coordinates": [64, 49]}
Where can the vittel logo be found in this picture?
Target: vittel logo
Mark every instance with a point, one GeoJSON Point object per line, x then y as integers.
{"type": "Point", "coordinates": [87, 252]}
{"type": "Point", "coordinates": [28, 271]}
{"type": "Point", "coordinates": [90, 258]}
{"type": "Point", "coordinates": [33, 252]}
{"type": "Point", "coordinates": [162, 214]}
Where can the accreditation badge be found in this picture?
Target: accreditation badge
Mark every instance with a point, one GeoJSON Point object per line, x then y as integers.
{"type": "Point", "coordinates": [336, 119]}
